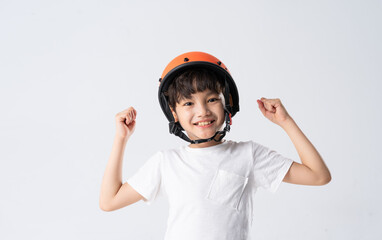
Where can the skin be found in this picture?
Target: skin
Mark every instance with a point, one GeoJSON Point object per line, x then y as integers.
{"type": "Point", "coordinates": [201, 106]}
{"type": "Point", "coordinates": [115, 195]}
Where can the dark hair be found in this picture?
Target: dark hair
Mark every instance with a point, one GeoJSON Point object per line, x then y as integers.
{"type": "Point", "coordinates": [192, 81]}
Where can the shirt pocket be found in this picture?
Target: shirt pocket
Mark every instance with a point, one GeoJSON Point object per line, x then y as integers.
{"type": "Point", "coordinates": [227, 188]}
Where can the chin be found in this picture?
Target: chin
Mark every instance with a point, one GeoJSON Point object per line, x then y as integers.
{"type": "Point", "coordinates": [205, 136]}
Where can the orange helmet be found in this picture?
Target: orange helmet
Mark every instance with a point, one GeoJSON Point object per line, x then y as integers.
{"type": "Point", "coordinates": [205, 60]}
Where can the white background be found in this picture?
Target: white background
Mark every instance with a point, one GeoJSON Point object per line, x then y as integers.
{"type": "Point", "coordinates": [67, 67]}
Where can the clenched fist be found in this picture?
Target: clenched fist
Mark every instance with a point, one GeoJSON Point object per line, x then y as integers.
{"type": "Point", "coordinates": [125, 123]}
{"type": "Point", "coordinates": [274, 110]}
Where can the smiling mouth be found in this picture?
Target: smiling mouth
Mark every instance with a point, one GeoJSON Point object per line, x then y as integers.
{"type": "Point", "coordinates": [202, 124]}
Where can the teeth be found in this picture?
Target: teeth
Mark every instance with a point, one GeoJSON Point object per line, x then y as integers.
{"type": "Point", "coordinates": [203, 123]}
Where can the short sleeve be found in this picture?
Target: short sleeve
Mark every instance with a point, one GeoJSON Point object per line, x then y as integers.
{"type": "Point", "coordinates": [269, 167]}
{"type": "Point", "coordinates": [147, 180]}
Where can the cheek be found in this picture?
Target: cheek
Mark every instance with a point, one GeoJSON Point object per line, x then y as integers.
{"type": "Point", "coordinates": [222, 115]}
{"type": "Point", "coordinates": [220, 110]}
{"type": "Point", "coordinates": [183, 115]}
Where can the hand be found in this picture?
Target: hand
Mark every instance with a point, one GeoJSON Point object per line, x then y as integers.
{"type": "Point", "coordinates": [274, 110]}
{"type": "Point", "coordinates": [125, 122]}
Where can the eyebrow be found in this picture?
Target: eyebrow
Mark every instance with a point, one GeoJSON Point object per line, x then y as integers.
{"type": "Point", "coordinates": [209, 93]}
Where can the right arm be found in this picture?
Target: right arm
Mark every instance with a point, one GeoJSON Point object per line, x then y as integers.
{"type": "Point", "coordinates": [114, 194]}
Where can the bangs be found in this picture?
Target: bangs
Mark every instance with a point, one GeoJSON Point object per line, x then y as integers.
{"type": "Point", "coordinates": [192, 81]}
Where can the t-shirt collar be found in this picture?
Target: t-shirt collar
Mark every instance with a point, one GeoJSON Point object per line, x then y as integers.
{"type": "Point", "coordinates": [207, 149]}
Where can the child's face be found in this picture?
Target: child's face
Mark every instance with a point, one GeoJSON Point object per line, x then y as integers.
{"type": "Point", "coordinates": [204, 106]}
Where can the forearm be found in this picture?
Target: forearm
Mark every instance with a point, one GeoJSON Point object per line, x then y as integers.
{"type": "Point", "coordinates": [112, 179]}
{"type": "Point", "coordinates": [307, 152]}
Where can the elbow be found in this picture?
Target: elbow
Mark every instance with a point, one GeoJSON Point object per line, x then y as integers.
{"type": "Point", "coordinates": [325, 180]}
{"type": "Point", "coordinates": [105, 207]}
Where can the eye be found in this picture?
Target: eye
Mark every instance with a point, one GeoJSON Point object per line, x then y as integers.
{"type": "Point", "coordinates": [187, 104]}
{"type": "Point", "coordinates": [214, 99]}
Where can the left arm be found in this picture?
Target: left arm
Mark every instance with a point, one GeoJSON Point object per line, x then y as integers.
{"type": "Point", "coordinates": [313, 170]}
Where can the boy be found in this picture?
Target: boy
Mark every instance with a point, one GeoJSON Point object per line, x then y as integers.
{"type": "Point", "coordinates": [211, 183]}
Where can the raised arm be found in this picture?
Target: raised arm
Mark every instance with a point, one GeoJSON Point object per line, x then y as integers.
{"type": "Point", "coordinates": [313, 170]}
{"type": "Point", "coordinates": [114, 194]}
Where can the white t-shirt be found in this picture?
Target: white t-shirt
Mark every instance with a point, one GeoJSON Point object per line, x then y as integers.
{"type": "Point", "coordinates": [210, 190]}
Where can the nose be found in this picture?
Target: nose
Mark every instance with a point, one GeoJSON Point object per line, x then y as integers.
{"type": "Point", "coordinates": [202, 110]}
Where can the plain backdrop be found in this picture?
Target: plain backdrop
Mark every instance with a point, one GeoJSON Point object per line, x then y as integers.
{"type": "Point", "coordinates": [68, 67]}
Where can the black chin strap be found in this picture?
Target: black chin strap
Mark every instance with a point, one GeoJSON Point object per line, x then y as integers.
{"type": "Point", "coordinates": [176, 129]}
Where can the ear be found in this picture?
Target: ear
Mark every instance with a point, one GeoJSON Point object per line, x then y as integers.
{"type": "Point", "coordinates": [174, 114]}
